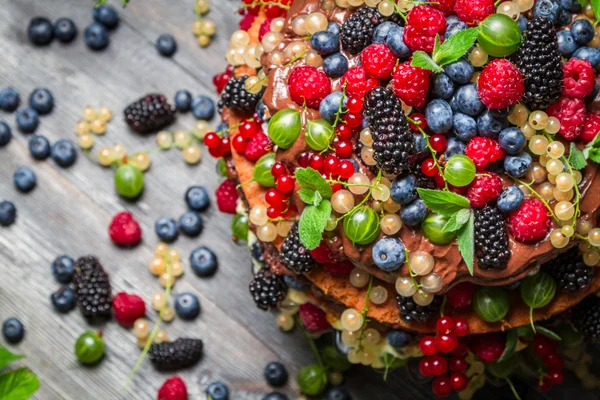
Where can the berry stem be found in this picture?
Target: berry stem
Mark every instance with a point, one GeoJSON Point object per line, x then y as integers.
{"type": "Point", "coordinates": [531, 319]}
{"type": "Point", "coordinates": [398, 10]}
{"type": "Point", "coordinates": [431, 150]}
{"type": "Point", "coordinates": [364, 313]}
{"type": "Point", "coordinates": [510, 384]}
{"type": "Point", "coordinates": [363, 201]}
{"type": "Point", "coordinates": [413, 276]}
{"type": "Point", "coordinates": [340, 110]}
{"type": "Point", "coordinates": [311, 342]}
{"type": "Point", "coordinates": [265, 3]}
{"type": "Point", "coordinates": [528, 186]}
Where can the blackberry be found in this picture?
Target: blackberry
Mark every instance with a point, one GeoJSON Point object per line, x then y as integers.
{"type": "Point", "coordinates": [294, 255]}
{"type": "Point", "coordinates": [181, 353]}
{"type": "Point", "coordinates": [491, 240]}
{"type": "Point", "coordinates": [539, 61]}
{"type": "Point", "coordinates": [586, 317]}
{"type": "Point", "coordinates": [92, 288]}
{"type": "Point", "coordinates": [423, 181]}
{"type": "Point", "coordinates": [569, 271]}
{"type": "Point", "coordinates": [412, 312]}
{"type": "Point", "coordinates": [236, 97]}
{"type": "Point", "coordinates": [393, 140]}
{"type": "Point", "coordinates": [150, 113]}
{"type": "Point", "coordinates": [357, 30]}
{"type": "Point", "coordinates": [267, 289]}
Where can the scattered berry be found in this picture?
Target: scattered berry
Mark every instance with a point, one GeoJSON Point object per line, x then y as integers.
{"type": "Point", "coordinates": [276, 374]}
{"type": "Point", "coordinates": [203, 261]}
{"type": "Point", "coordinates": [227, 197]}
{"type": "Point", "coordinates": [24, 179]}
{"type": "Point", "coordinates": [485, 188]}
{"type": "Point", "coordinates": [124, 230]}
{"type": "Point", "coordinates": [65, 30]}
{"type": "Point", "coordinates": [13, 330]}
{"type": "Point", "coordinates": [63, 300]}
{"type": "Point", "coordinates": [472, 12]}
{"type": "Point", "coordinates": [218, 391]}
{"type": "Point", "coordinates": [40, 31]}
{"type": "Point", "coordinates": [96, 37]}
{"type": "Point", "coordinates": [187, 305]}
{"type": "Point", "coordinates": [27, 120]}
{"type": "Point", "coordinates": [128, 308]}
{"type": "Point", "coordinates": [203, 107]}
{"type": "Point", "coordinates": [166, 45]}
{"type": "Point", "coordinates": [39, 147]}
{"type": "Point", "coordinates": [150, 113]}
{"type": "Point", "coordinates": [92, 288]}
{"type": "Point", "coordinates": [191, 224]}
{"type": "Point", "coordinates": [483, 151]}
{"type": "Point", "coordinates": [173, 389]}
{"type": "Point", "coordinates": [8, 213]}
{"type": "Point", "coordinates": [166, 229]}
{"type": "Point", "coordinates": [63, 268]}
{"type": "Point", "coordinates": [183, 101]}
{"type": "Point", "coordinates": [378, 61]}
{"type": "Point", "coordinates": [63, 153]}
{"type": "Point", "coordinates": [106, 15]}
{"type": "Point", "coordinates": [42, 101]}
{"type": "Point", "coordinates": [423, 24]}
{"type": "Point", "coordinates": [579, 78]}
{"type": "Point", "coordinates": [9, 99]}
{"type": "Point", "coordinates": [178, 354]}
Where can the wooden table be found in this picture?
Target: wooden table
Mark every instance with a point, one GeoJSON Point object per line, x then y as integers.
{"type": "Point", "coordinates": [69, 212]}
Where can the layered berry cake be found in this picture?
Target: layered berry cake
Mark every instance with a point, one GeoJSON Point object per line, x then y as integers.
{"type": "Point", "coordinates": [420, 178]}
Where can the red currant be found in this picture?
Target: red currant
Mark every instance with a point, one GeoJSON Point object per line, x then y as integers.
{"type": "Point", "coordinates": [458, 364]}
{"type": "Point", "coordinates": [420, 120]}
{"type": "Point", "coordinates": [439, 180]}
{"type": "Point", "coordinates": [274, 197]}
{"type": "Point", "coordinates": [272, 11]}
{"type": "Point", "coordinates": [555, 377]}
{"type": "Point", "coordinates": [317, 162]}
{"type": "Point", "coordinates": [438, 142]}
{"type": "Point", "coordinates": [249, 129]}
{"type": "Point", "coordinates": [336, 187]}
{"type": "Point", "coordinates": [344, 132]}
{"type": "Point", "coordinates": [331, 163]}
{"type": "Point", "coordinates": [461, 327]}
{"type": "Point", "coordinates": [353, 120]}
{"type": "Point", "coordinates": [345, 169]}
{"type": "Point", "coordinates": [425, 366]}
{"type": "Point", "coordinates": [428, 167]}
{"type": "Point", "coordinates": [460, 295]}
{"type": "Point", "coordinates": [303, 159]}
{"type": "Point", "coordinates": [285, 183]}
{"type": "Point", "coordinates": [446, 343]}
{"type": "Point", "coordinates": [461, 350]}
{"type": "Point", "coordinates": [441, 386]}
{"type": "Point", "coordinates": [239, 144]}
{"type": "Point", "coordinates": [212, 140]}
{"type": "Point", "coordinates": [355, 105]}
{"type": "Point", "coordinates": [544, 385]}
{"type": "Point", "coordinates": [290, 212]}
{"type": "Point", "coordinates": [278, 169]}
{"type": "Point", "coordinates": [253, 10]}
{"type": "Point", "coordinates": [543, 345]}
{"type": "Point", "coordinates": [553, 361]}
{"type": "Point", "coordinates": [445, 325]}
{"type": "Point", "coordinates": [225, 145]}
{"type": "Point", "coordinates": [459, 381]}
{"type": "Point", "coordinates": [439, 365]}
{"type": "Point", "coordinates": [273, 212]}
{"type": "Point", "coordinates": [428, 345]}
{"type": "Point", "coordinates": [343, 149]}
{"type": "Point", "coordinates": [215, 151]}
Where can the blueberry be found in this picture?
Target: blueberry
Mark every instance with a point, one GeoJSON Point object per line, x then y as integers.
{"type": "Point", "coordinates": [465, 127]}
{"type": "Point", "coordinates": [398, 338]}
{"type": "Point", "coordinates": [565, 18]}
{"type": "Point", "coordinates": [395, 41]}
{"type": "Point", "coordinates": [382, 31]}
{"type": "Point", "coordinates": [96, 36]}
{"type": "Point", "coordinates": [582, 31]}
{"type": "Point", "coordinates": [40, 31]}
{"type": "Point", "coordinates": [335, 65]}
{"type": "Point", "coordinates": [550, 9]}
{"type": "Point", "coordinates": [218, 391]}
{"type": "Point", "coordinates": [468, 100]}
{"type": "Point", "coordinates": [63, 268]}
{"type": "Point", "coordinates": [8, 213]}
{"type": "Point", "coordinates": [325, 43]}
{"type": "Point", "coordinates": [510, 199]}
{"type": "Point", "coordinates": [187, 305]}
{"type": "Point", "coordinates": [222, 127]}
{"type": "Point", "coordinates": [27, 120]}
{"type": "Point", "coordinates": [337, 393]}
{"type": "Point", "coordinates": [442, 86]}
{"type": "Point", "coordinates": [63, 153]}
{"type": "Point", "coordinates": [276, 374]}
{"type": "Point", "coordinates": [404, 189]}
{"type": "Point", "coordinates": [42, 101]}
{"type": "Point", "coordinates": [589, 54]}
{"type": "Point", "coordinates": [65, 30]}
{"type": "Point", "coordinates": [454, 104]}
{"type": "Point", "coordinates": [389, 253]}
{"type": "Point", "coordinates": [196, 198]}
{"type": "Point", "coordinates": [203, 107]}
{"type": "Point", "coordinates": [13, 330]}
{"type": "Point", "coordinates": [454, 147]}
{"type": "Point", "coordinates": [334, 28]}
{"type": "Point", "coordinates": [522, 23]}
{"type": "Point", "coordinates": [414, 213]}
{"type": "Point", "coordinates": [183, 101]}
{"type": "Point", "coordinates": [261, 109]}
{"type": "Point", "coordinates": [489, 126]}
{"type": "Point", "coordinates": [460, 71]}
{"type": "Point", "coordinates": [203, 261]}
{"type": "Point", "coordinates": [275, 396]}
{"type": "Point", "coordinates": [420, 143]}
{"type": "Point", "coordinates": [5, 134]}
{"type": "Point", "coordinates": [566, 43]}
{"type": "Point", "coordinates": [191, 223]}
{"type": "Point", "coordinates": [455, 28]}
{"type": "Point", "coordinates": [501, 112]}
{"type": "Point", "coordinates": [571, 5]}
{"type": "Point", "coordinates": [166, 229]}
{"type": "Point", "coordinates": [166, 45]}
{"type": "Point", "coordinates": [439, 116]}
{"type": "Point", "coordinates": [107, 16]}
{"type": "Point", "coordinates": [9, 99]}
{"type": "Point", "coordinates": [331, 104]}
{"type": "Point", "coordinates": [517, 166]}
{"type": "Point", "coordinates": [512, 141]}
{"type": "Point", "coordinates": [24, 179]}
{"type": "Point", "coordinates": [296, 283]}
{"type": "Point", "coordinates": [63, 299]}
{"type": "Point", "coordinates": [452, 19]}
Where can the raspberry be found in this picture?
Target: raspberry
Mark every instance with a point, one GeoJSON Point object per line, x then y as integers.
{"type": "Point", "coordinates": [485, 188]}
{"type": "Point", "coordinates": [124, 230]}
{"type": "Point", "coordinates": [378, 61]}
{"type": "Point", "coordinates": [461, 295]}
{"type": "Point", "coordinates": [257, 147]}
{"type": "Point", "coordinates": [247, 21]}
{"type": "Point", "coordinates": [411, 84]}
{"type": "Point", "coordinates": [265, 27]}
{"type": "Point", "coordinates": [313, 318]}
{"type": "Point", "coordinates": [357, 83]}
{"type": "Point", "coordinates": [531, 222]}
{"type": "Point", "coordinates": [308, 85]}
{"type": "Point", "coordinates": [323, 254]}
{"type": "Point", "coordinates": [487, 347]}
{"type": "Point", "coordinates": [227, 197]}
{"type": "Point", "coordinates": [173, 389]}
{"type": "Point", "coordinates": [128, 308]}
{"type": "Point", "coordinates": [579, 78]}
{"type": "Point", "coordinates": [500, 84]}
{"type": "Point", "coordinates": [423, 24]}
{"type": "Point", "coordinates": [445, 6]}
{"type": "Point", "coordinates": [591, 126]}
{"type": "Point", "coordinates": [483, 151]}
{"type": "Point", "coordinates": [571, 114]}
{"type": "Point", "coordinates": [472, 12]}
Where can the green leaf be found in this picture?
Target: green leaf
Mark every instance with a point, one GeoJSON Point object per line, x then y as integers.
{"type": "Point", "coordinates": [312, 224]}
{"type": "Point", "coordinates": [576, 158]}
{"type": "Point", "coordinates": [525, 332]}
{"type": "Point", "coordinates": [436, 44]}
{"type": "Point", "coordinates": [422, 60]}
{"type": "Point", "coordinates": [583, 2]}
{"type": "Point", "coordinates": [455, 46]}
{"type": "Point", "coordinates": [309, 178]}
{"type": "Point", "coordinates": [19, 384]}
{"type": "Point", "coordinates": [594, 154]}
{"type": "Point", "coordinates": [465, 243]}
{"type": "Point", "coordinates": [596, 7]}
{"type": "Point", "coordinates": [547, 332]}
{"type": "Point", "coordinates": [443, 202]}
{"type": "Point", "coordinates": [457, 220]}
{"type": "Point", "coordinates": [310, 196]}
{"type": "Point", "coordinates": [511, 344]}
{"type": "Point", "coordinates": [6, 357]}
{"type": "Point", "coordinates": [334, 360]}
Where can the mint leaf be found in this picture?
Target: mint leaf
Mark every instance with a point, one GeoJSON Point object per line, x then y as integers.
{"type": "Point", "coordinates": [310, 196]}
{"type": "Point", "coordinates": [6, 357]}
{"type": "Point", "coordinates": [594, 155]}
{"type": "Point", "coordinates": [442, 202]}
{"type": "Point", "coordinates": [465, 243]}
{"type": "Point", "coordinates": [576, 158]}
{"type": "Point", "coordinates": [422, 60]}
{"type": "Point", "coordinates": [20, 384]}
{"type": "Point", "coordinates": [596, 7]}
{"type": "Point", "coordinates": [457, 220]}
{"type": "Point", "coordinates": [312, 224]}
{"type": "Point", "coordinates": [455, 46]}
{"type": "Point", "coordinates": [547, 332]}
{"type": "Point", "coordinates": [511, 345]}
{"type": "Point", "coordinates": [309, 178]}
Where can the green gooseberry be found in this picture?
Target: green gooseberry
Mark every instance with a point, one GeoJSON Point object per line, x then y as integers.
{"type": "Point", "coordinates": [491, 303]}
{"type": "Point", "coordinates": [499, 35]}
{"type": "Point", "coordinates": [362, 226]}
{"type": "Point", "coordinates": [312, 380]}
{"type": "Point", "coordinates": [129, 181]}
{"type": "Point", "coordinates": [432, 227]}
{"type": "Point", "coordinates": [262, 170]}
{"type": "Point", "coordinates": [318, 134]}
{"type": "Point", "coordinates": [460, 170]}
{"type": "Point", "coordinates": [502, 369]}
{"type": "Point", "coordinates": [284, 127]}
{"type": "Point", "coordinates": [239, 226]}
{"type": "Point", "coordinates": [89, 347]}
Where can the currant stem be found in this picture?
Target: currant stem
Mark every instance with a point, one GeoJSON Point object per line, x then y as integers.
{"type": "Point", "coordinates": [364, 313]}
{"type": "Point", "coordinates": [536, 194]}
{"type": "Point", "coordinates": [431, 150]}
{"type": "Point", "coordinates": [340, 110]}
{"type": "Point", "coordinates": [364, 200]}
{"type": "Point", "coordinates": [311, 342]}
{"type": "Point", "coordinates": [510, 384]}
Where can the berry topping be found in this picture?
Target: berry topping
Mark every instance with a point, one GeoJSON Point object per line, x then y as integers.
{"type": "Point", "coordinates": [313, 318]}
{"type": "Point", "coordinates": [257, 146]}
{"type": "Point", "coordinates": [308, 85]}
{"type": "Point", "coordinates": [472, 12]}
{"type": "Point", "coordinates": [411, 84]}
{"type": "Point", "coordinates": [569, 271]}
{"type": "Point", "coordinates": [488, 347]}
{"type": "Point", "coordinates": [357, 30]}
{"type": "Point", "coordinates": [491, 240]}
{"type": "Point", "coordinates": [461, 295]}
{"type": "Point", "coordinates": [267, 289]}
{"type": "Point", "coordinates": [571, 113]}
{"type": "Point", "coordinates": [531, 222]}
{"type": "Point", "coordinates": [294, 255]}
{"type": "Point", "coordinates": [485, 188]}
{"type": "Point", "coordinates": [579, 78]}
{"type": "Point", "coordinates": [378, 61]}
{"type": "Point", "coordinates": [128, 308]}
{"type": "Point", "coordinates": [227, 197]}
{"type": "Point", "coordinates": [483, 151]}
{"type": "Point", "coordinates": [423, 24]}
{"type": "Point", "coordinates": [591, 126]}
{"type": "Point", "coordinates": [500, 84]}
{"type": "Point", "coordinates": [124, 230]}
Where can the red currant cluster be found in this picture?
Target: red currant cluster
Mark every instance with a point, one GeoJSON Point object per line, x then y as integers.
{"type": "Point", "coordinates": [221, 79]}
{"type": "Point", "coordinates": [217, 146]}
{"type": "Point", "coordinates": [445, 356]}
{"type": "Point", "coordinates": [278, 197]}
{"type": "Point", "coordinates": [547, 350]}
{"type": "Point", "coordinates": [437, 143]}
{"type": "Point", "coordinates": [271, 8]}
{"type": "Point", "coordinates": [330, 167]}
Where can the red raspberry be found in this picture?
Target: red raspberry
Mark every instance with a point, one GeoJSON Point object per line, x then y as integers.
{"type": "Point", "coordinates": [472, 12]}
{"type": "Point", "coordinates": [128, 308]}
{"type": "Point", "coordinates": [500, 84]}
{"type": "Point", "coordinates": [445, 6]}
{"type": "Point", "coordinates": [423, 24]}
{"type": "Point", "coordinates": [531, 222]}
{"type": "Point", "coordinates": [483, 151]}
{"type": "Point", "coordinates": [308, 85]}
{"type": "Point", "coordinates": [571, 114]}
{"type": "Point", "coordinates": [342, 267]}
{"type": "Point", "coordinates": [411, 84]}
{"type": "Point", "coordinates": [265, 27]}
{"type": "Point", "coordinates": [488, 347]}
{"type": "Point", "coordinates": [227, 197]}
{"type": "Point", "coordinates": [173, 389]}
{"type": "Point", "coordinates": [247, 21]}
{"type": "Point", "coordinates": [124, 230]}
{"type": "Point", "coordinates": [378, 61]}
{"type": "Point", "coordinates": [313, 318]}
{"type": "Point", "coordinates": [579, 78]}
{"type": "Point", "coordinates": [357, 83]}
{"type": "Point", "coordinates": [323, 254]}
{"type": "Point", "coordinates": [485, 188]}
{"type": "Point", "coordinates": [591, 126]}
{"type": "Point", "coordinates": [461, 295]}
{"type": "Point", "coordinates": [257, 147]}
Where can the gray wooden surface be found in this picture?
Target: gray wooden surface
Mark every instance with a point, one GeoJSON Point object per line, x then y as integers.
{"type": "Point", "coordinates": [69, 212]}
